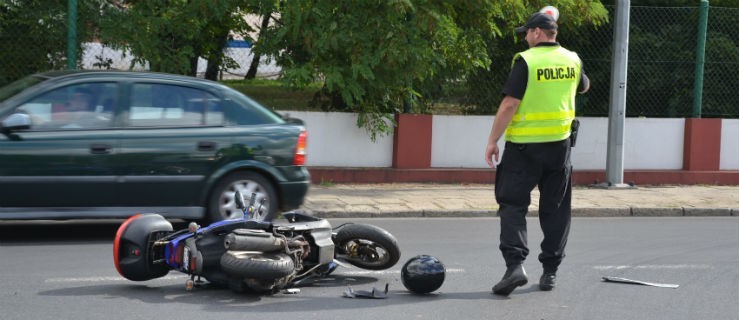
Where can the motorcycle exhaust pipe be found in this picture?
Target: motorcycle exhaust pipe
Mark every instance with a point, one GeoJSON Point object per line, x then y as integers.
{"type": "Point", "coordinates": [252, 240]}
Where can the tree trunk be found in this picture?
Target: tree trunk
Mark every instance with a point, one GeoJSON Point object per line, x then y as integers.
{"type": "Point", "coordinates": [211, 71]}
{"type": "Point", "coordinates": [194, 66]}
{"type": "Point", "coordinates": [252, 73]}
{"type": "Point", "coordinates": [216, 58]}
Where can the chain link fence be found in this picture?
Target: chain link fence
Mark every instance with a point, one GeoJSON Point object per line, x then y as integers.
{"type": "Point", "coordinates": [661, 65]}
{"type": "Point", "coordinates": [661, 70]}
{"type": "Point", "coordinates": [98, 56]}
{"type": "Point", "coordinates": [721, 79]}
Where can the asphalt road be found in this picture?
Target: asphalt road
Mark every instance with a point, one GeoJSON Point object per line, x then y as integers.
{"type": "Point", "coordinates": [65, 271]}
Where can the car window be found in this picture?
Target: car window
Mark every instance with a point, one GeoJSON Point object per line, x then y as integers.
{"type": "Point", "coordinates": [79, 106]}
{"type": "Point", "coordinates": [242, 110]}
{"type": "Point", "coordinates": [164, 105]}
{"type": "Point", "coordinates": [19, 85]}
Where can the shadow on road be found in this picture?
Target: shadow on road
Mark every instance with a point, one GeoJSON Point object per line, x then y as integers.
{"type": "Point", "coordinates": [46, 231]}
{"type": "Point", "coordinates": [213, 298]}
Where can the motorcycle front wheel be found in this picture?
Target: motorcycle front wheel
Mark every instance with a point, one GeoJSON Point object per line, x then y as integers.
{"type": "Point", "coordinates": [366, 246]}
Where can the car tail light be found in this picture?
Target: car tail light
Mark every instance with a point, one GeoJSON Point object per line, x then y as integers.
{"type": "Point", "coordinates": [299, 158]}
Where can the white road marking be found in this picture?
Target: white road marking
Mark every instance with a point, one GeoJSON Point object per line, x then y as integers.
{"type": "Point", "coordinates": [385, 272]}
{"type": "Point", "coordinates": [366, 272]}
{"type": "Point", "coordinates": [655, 267]}
{"type": "Point", "coordinates": [181, 277]}
{"type": "Point", "coordinates": [109, 279]}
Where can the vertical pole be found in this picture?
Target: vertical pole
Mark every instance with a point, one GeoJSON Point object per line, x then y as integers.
{"type": "Point", "coordinates": [72, 34]}
{"type": "Point", "coordinates": [700, 59]}
{"type": "Point", "coordinates": [408, 102]}
{"type": "Point", "coordinates": [617, 108]}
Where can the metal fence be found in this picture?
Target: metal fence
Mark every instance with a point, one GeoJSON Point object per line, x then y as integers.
{"type": "Point", "coordinates": [661, 70]}
{"type": "Point", "coordinates": [662, 63]}
{"type": "Point", "coordinates": [98, 56]}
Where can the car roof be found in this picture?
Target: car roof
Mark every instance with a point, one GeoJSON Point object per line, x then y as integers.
{"type": "Point", "coordinates": [63, 75]}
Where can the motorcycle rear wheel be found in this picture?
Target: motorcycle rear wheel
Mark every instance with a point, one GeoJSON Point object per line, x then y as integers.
{"type": "Point", "coordinates": [367, 246]}
{"type": "Point", "coordinates": [257, 265]}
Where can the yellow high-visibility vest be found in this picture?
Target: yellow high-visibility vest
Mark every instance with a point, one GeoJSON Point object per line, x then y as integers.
{"type": "Point", "coordinates": [548, 105]}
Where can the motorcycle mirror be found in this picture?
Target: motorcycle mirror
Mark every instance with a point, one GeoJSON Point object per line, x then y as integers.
{"type": "Point", "coordinates": [239, 199]}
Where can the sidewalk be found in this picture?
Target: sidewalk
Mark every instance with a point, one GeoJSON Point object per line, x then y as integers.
{"type": "Point", "coordinates": [477, 200]}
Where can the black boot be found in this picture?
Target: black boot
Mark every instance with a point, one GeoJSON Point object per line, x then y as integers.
{"type": "Point", "coordinates": [515, 276]}
{"type": "Point", "coordinates": [547, 281]}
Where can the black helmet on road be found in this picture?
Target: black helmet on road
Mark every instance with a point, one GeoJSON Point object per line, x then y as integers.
{"type": "Point", "coordinates": [423, 274]}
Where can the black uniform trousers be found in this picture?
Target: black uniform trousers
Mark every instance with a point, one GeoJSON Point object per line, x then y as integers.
{"type": "Point", "coordinates": [523, 167]}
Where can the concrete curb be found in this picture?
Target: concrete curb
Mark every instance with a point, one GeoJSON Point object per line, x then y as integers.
{"type": "Point", "coordinates": [576, 212]}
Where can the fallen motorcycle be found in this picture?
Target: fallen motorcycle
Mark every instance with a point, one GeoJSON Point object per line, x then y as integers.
{"type": "Point", "coordinates": [247, 254]}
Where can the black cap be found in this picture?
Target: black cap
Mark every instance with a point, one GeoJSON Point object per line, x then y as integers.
{"type": "Point", "coordinates": [538, 20]}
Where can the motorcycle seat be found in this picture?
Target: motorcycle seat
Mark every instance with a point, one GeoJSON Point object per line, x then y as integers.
{"type": "Point", "coordinates": [230, 225]}
{"type": "Point", "coordinates": [299, 216]}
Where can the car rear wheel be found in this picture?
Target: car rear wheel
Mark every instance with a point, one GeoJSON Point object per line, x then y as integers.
{"type": "Point", "coordinates": [222, 205]}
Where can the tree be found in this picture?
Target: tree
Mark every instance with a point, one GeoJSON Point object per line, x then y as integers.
{"type": "Point", "coordinates": [266, 9]}
{"type": "Point", "coordinates": [171, 35]}
{"type": "Point", "coordinates": [33, 34]}
{"type": "Point", "coordinates": [579, 22]}
{"type": "Point", "coordinates": [379, 57]}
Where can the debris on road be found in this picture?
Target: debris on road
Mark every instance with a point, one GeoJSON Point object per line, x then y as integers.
{"type": "Point", "coordinates": [630, 281]}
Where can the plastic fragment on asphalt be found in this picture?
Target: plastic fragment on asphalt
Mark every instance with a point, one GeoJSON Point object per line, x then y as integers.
{"type": "Point", "coordinates": [374, 294]}
{"type": "Point", "coordinates": [630, 281]}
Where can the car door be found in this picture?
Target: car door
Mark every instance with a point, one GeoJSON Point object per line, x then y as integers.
{"type": "Point", "coordinates": [171, 143]}
{"type": "Point", "coordinates": [63, 159]}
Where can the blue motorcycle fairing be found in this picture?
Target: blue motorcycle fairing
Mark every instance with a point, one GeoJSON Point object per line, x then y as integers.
{"type": "Point", "coordinates": [172, 249]}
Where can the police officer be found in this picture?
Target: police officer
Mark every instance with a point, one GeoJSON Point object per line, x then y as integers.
{"type": "Point", "coordinates": [536, 115]}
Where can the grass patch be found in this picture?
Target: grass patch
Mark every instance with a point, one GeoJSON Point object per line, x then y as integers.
{"type": "Point", "coordinates": [326, 183]}
{"type": "Point", "coordinates": [274, 94]}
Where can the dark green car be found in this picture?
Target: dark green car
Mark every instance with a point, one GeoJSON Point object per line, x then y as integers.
{"type": "Point", "coordinates": [110, 144]}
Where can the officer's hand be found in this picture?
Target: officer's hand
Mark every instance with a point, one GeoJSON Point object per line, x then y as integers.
{"type": "Point", "coordinates": [491, 152]}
